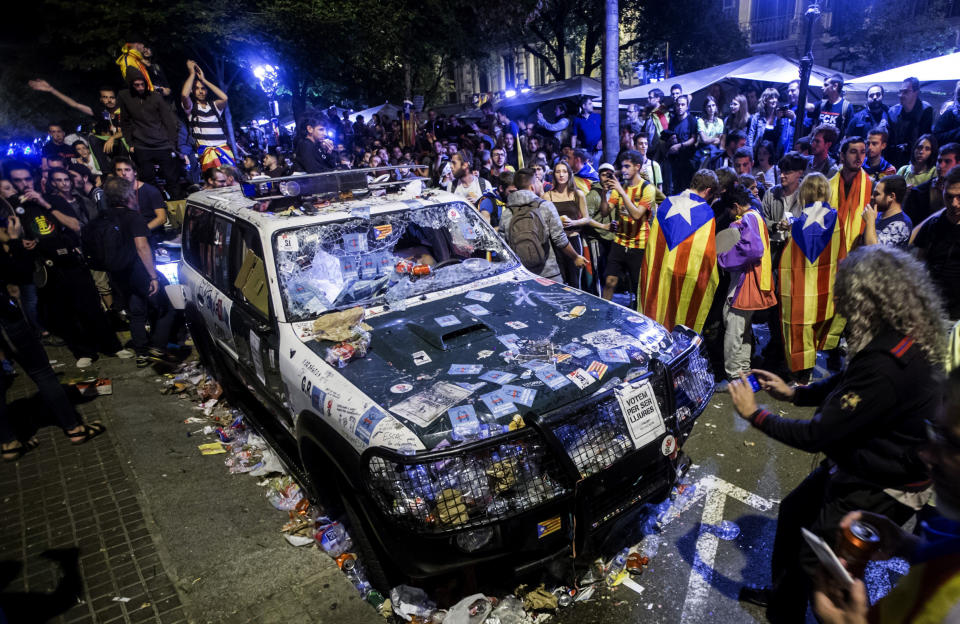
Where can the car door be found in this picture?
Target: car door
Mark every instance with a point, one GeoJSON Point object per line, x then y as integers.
{"type": "Point", "coordinates": [254, 325]}
{"type": "Point", "coordinates": [205, 273]}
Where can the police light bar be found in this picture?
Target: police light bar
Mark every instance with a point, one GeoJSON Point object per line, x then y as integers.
{"type": "Point", "coordinates": [333, 183]}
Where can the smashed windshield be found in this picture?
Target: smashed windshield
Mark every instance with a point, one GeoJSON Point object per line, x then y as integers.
{"type": "Point", "coordinates": [385, 258]}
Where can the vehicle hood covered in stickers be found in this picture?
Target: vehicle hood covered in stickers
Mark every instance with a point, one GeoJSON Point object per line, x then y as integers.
{"type": "Point", "coordinates": [508, 348]}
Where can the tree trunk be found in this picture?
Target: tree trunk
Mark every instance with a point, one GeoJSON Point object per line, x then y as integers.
{"type": "Point", "coordinates": [561, 59]}
{"type": "Point", "coordinates": [298, 99]}
{"type": "Point", "coordinates": [611, 81]}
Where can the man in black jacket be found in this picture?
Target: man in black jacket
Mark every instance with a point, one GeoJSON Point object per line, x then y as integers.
{"type": "Point", "coordinates": [947, 128]}
{"type": "Point", "coordinates": [908, 120]}
{"type": "Point", "coordinates": [870, 423]}
{"type": "Point", "coordinates": [312, 155]}
{"type": "Point", "coordinates": [150, 128]}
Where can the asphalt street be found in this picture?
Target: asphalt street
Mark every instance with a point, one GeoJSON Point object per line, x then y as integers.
{"type": "Point", "coordinates": [219, 540]}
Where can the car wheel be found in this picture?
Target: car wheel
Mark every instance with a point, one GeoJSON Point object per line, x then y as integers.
{"type": "Point", "coordinates": [378, 573]}
{"type": "Point", "coordinates": [211, 359]}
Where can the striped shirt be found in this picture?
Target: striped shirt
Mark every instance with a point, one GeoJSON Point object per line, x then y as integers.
{"type": "Point", "coordinates": [633, 233]}
{"type": "Point", "coordinates": [205, 126]}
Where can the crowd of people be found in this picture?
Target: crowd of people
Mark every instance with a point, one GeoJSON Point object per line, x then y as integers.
{"type": "Point", "coordinates": [800, 220]}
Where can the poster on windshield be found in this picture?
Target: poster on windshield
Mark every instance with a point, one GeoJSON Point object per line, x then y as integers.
{"type": "Point", "coordinates": [641, 412]}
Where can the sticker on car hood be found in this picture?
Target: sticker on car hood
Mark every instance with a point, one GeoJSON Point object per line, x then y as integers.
{"type": "Point", "coordinates": [425, 407]}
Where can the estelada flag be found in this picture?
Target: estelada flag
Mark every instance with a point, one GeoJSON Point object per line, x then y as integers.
{"type": "Point", "coordinates": [850, 205]}
{"type": "Point", "coordinates": [679, 273]}
{"type": "Point", "coordinates": [807, 270]}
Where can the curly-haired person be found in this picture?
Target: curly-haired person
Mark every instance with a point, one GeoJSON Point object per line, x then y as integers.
{"type": "Point", "coordinates": [870, 423]}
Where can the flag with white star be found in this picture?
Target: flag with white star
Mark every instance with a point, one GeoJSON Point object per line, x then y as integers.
{"type": "Point", "coordinates": [807, 271]}
{"type": "Point", "coordinates": [679, 273]}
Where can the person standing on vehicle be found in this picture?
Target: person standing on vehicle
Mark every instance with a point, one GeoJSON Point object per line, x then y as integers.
{"type": "Point", "coordinates": [870, 419]}
{"type": "Point", "coordinates": [150, 127]}
{"type": "Point", "coordinates": [530, 224]}
{"type": "Point", "coordinates": [206, 119]}
{"type": "Point", "coordinates": [137, 276]}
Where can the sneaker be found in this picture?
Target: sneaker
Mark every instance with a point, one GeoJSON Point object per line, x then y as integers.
{"type": "Point", "coordinates": [124, 354]}
{"type": "Point", "coordinates": [84, 362]}
{"type": "Point", "coordinates": [143, 361]}
{"type": "Point", "coordinates": [723, 387]}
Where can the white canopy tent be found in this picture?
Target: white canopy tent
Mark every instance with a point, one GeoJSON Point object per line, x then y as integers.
{"type": "Point", "coordinates": [764, 68]}
{"type": "Point", "coordinates": [571, 88]}
{"type": "Point", "coordinates": [938, 77]}
{"type": "Point", "coordinates": [385, 110]}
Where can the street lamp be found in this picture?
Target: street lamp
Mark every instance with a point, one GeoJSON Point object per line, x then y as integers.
{"type": "Point", "coordinates": [269, 77]}
{"type": "Point", "coordinates": [806, 65]}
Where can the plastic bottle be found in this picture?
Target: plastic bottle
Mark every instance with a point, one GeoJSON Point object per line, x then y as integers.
{"type": "Point", "coordinates": [334, 539]}
{"type": "Point", "coordinates": [357, 576]}
{"type": "Point", "coordinates": [617, 566]}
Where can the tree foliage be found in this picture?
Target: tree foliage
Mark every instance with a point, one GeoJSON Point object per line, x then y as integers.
{"type": "Point", "coordinates": [872, 36]}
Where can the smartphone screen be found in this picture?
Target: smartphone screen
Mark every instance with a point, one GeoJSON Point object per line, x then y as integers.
{"type": "Point", "coordinates": [754, 384]}
{"type": "Point", "coordinates": [828, 559]}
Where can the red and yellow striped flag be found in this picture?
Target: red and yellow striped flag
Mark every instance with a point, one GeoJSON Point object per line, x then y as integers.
{"type": "Point", "coordinates": [679, 273]}
{"type": "Point", "coordinates": [807, 270]}
{"type": "Point", "coordinates": [850, 206]}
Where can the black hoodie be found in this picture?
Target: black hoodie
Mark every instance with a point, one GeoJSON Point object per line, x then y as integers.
{"type": "Point", "coordinates": [146, 120]}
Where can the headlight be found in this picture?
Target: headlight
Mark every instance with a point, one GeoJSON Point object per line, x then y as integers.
{"type": "Point", "coordinates": [692, 382]}
{"type": "Point", "coordinates": [170, 271]}
{"type": "Point", "coordinates": [464, 487]}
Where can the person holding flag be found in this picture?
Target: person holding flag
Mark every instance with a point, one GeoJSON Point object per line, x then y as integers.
{"type": "Point", "coordinates": [807, 270]}
{"type": "Point", "coordinates": [851, 189]}
{"type": "Point", "coordinates": [751, 281]}
{"type": "Point", "coordinates": [206, 119]}
{"type": "Point", "coordinates": [678, 275]}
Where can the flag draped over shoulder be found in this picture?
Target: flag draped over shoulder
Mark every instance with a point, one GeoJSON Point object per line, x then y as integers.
{"type": "Point", "coordinates": [679, 274]}
{"type": "Point", "coordinates": [850, 205]}
{"type": "Point", "coordinates": [131, 58]}
{"type": "Point", "coordinates": [807, 270]}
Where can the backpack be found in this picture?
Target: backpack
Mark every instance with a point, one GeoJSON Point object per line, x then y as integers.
{"type": "Point", "coordinates": [105, 245]}
{"type": "Point", "coordinates": [528, 237]}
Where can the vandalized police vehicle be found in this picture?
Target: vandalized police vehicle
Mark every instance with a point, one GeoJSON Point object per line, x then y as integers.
{"type": "Point", "coordinates": [464, 410]}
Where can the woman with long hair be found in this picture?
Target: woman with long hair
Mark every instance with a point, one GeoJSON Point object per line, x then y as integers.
{"type": "Point", "coordinates": [571, 205]}
{"type": "Point", "coordinates": [739, 117]}
{"type": "Point", "coordinates": [766, 170]}
{"type": "Point", "coordinates": [710, 129]}
{"type": "Point", "coordinates": [923, 161]}
{"type": "Point", "coordinates": [871, 419]}
{"type": "Point", "coordinates": [806, 274]}
{"type": "Point", "coordinates": [769, 124]}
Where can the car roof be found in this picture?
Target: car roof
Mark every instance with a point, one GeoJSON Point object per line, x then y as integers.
{"type": "Point", "coordinates": [231, 201]}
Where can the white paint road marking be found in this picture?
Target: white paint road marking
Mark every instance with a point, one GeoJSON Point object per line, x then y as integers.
{"type": "Point", "coordinates": [716, 491]}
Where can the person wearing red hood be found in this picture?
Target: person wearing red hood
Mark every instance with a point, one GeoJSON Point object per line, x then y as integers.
{"type": "Point", "coordinates": [150, 128]}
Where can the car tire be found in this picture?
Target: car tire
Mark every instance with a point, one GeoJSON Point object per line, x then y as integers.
{"type": "Point", "coordinates": [210, 358]}
{"type": "Point", "coordinates": [379, 575]}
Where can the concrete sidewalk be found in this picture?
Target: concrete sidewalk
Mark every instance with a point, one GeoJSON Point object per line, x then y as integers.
{"type": "Point", "coordinates": [151, 530]}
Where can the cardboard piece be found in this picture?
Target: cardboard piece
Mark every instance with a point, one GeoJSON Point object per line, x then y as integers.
{"type": "Point", "coordinates": [252, 282]}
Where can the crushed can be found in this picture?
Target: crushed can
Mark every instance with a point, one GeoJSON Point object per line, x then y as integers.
{"type": "Point", "coordinates": [856, 545]}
